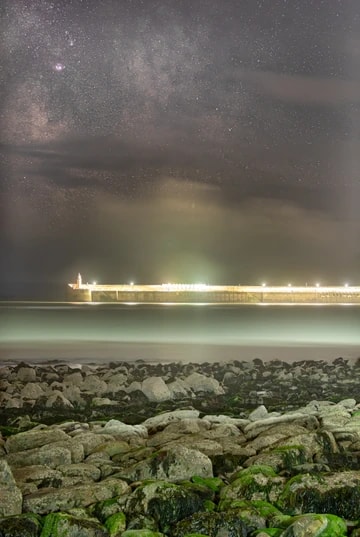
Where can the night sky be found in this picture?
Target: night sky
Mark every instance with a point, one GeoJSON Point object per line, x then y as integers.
{"type": "Point", "coordinates": [210, 141]}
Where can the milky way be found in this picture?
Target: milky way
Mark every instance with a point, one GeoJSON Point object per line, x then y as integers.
{"type": "Point", "coordinates": [208, 140]}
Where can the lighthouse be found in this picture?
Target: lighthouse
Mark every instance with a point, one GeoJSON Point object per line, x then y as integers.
{"type": "Point", "coordinates": [79, 281]}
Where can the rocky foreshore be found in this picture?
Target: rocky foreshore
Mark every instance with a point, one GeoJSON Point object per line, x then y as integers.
{"type": "Point", "coordinates": [185, 467]}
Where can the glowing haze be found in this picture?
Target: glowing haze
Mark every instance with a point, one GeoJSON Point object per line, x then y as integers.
{"type": "Point", "coordinates": [194, 141]}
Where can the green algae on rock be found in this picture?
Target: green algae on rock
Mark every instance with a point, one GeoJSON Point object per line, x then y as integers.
{"type": "Point", "coordinates": [314, 525]}
{"type": "Point", "coordinates": [212, 524]}
{"type": "Point", "coordinates": [116, 524]}
{"type": "Point", "coordinates": [166, 502]}
{"type": "Point", "coordinates": [66, 525]}
{"type": "Point", "coordinates": [26, 525]}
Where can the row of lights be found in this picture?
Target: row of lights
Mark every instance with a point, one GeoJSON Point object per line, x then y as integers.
{"type": "Point", "coordinates": [316, 285]}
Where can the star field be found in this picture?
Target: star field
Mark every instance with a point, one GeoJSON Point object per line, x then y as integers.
{"type": "Point", "coordinates": [162, 139]}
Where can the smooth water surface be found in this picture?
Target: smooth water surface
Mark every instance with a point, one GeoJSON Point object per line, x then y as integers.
{"type": "Point", "coordinates": [99, 332]}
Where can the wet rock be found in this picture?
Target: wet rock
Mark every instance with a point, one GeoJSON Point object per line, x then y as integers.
{"type": "Point", "coordinates": [316, 526]}
{"type": "Point", "coordinates": [61, 524]}
{"type": "Point", "coordinates": [212, 525]}
{"type": "Point", "coordinates": [165, 502]}
{"type": "Point", "coordinates": [337, 493]}
{"type": "Point", "coordinates": [27, 525]}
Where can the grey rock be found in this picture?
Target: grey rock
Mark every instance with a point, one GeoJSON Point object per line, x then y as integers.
{"type": "Point", "coordinates": [33, 439]}
{"type": "Point", "coordinates": [155, 389]}
{"type": "Point", "coordinates": [52, 500]}
{"type": "Point", "coordinates": [26, 374]}
{"type": "Point", "coordinates": [10, 495]}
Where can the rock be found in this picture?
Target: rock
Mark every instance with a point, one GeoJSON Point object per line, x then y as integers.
{"type": "Point", "coordinates": [116, 524]}
{"type": "Point", "coordinates": [93, 384]}
{"type": "Point", "coordinates": [64, 524]}
{"type": "Point", "coordinates": [118, 428]}
{"type": "Point", "coordinates": [254, 483]}
{"type": "Point", "coordinates": [41, 476]}
{"type": "Point", "coordinates": [316, 526]}
{"type": "Point", "coordinates": [336, 493]}
{"type": "Point", "coordinates": [10, 495]}
{"type": "Point", "coordinates": [155, 389]}
{"type": "Point", "coordinates": [32, 390]}
{"type": "Point", "coordinates": [34, 439]}
{"type": "Point", "coordinates": [84, 470]}
{"type": "Point", "coordinates": [48, 455]}
{"type": "Point", "coordinates": [26, 374]}
{"type": "Point", "coordinates": [212, 525]}
{"type": "Point", "coordinates": [141, 533]}
{"type": "Point", "coordinates": [200, 383]}
{"type": "Point", "coordinates": [166, 503]}
{"type": "Point", "coordinates": [259, 413]}
{"type": "Point", "coordinates": [58, 400]}
{"type": "Point", "coordinates": [27, 525]}
{"type": "Point", "coordinates": [173, 464]}
{"type": "Point", "coordinates": [52, 500]}
{"type": "Point", "coordinates": [179, 389]}
{"type": "Point", "coordinates": [91, 441]}
{"type": "Point", "coordinates": [162, 420]}
{"type": "Point", "coordinates": [73, 379]}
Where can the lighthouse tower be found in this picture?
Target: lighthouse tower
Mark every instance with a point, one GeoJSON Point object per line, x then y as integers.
{"type": "Point", "coordinates": [79, 281]}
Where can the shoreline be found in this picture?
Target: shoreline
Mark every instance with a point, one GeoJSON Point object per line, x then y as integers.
{"type": "Point", "coordinates": [101, 352]}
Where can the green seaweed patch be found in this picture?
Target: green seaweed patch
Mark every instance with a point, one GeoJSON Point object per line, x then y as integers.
{"type": "Point", "coordinates": [272, 532]}
{"type": "Point", "coordinates": [321, 525]}
{"type": "Point", "coordinates": [291, 455]}
{"type": "Point", "coordinates": [213, 483]}
{"type": "Point", "coordinates": [116, 524]}
{"type": "Point", "coordinates": [263, 469]}
{"type": "Point", "coordinates": [61, 524]}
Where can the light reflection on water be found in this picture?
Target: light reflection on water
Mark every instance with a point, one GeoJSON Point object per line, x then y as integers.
{"type": "Point", "coordinates": [181, 332]}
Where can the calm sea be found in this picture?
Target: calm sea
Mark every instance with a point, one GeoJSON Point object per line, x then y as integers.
{"type": "Point", "coordinates": [34, 331]}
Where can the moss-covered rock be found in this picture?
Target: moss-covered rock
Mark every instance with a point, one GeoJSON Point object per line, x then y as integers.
{"type": "Point", "coordinates": [106, 508]}
{"type": "Point", "coordinates": [212, 524]}
{"type": "Point", "coordinates": [65, 525]}
{"type": "Point", "coordinates": [116, 524]}
{"type": "Point", "coordinates": [165, 502]}
{"type": "Point", "coordinates": [257, 513]}
{"type": "Point", "coordinates": [253, 483]}
{"type": "Point", "coordinates": [27, 525]}
{"type": "Point", "coordinates": [315, 525]}
{"type": "Point", "coordinates": [337, 493]}
{"type": "Point", "coordinates": [213, 483]}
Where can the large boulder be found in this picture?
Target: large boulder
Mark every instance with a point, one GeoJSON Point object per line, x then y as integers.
{"type": "Point", "coordinates": [34, 439]}
{"type": "Point", "coordinates": [52, 500]}
{"type": "Point", "coordinates": [155, 389]}
{"type": "Point", "coordinates": [201, 383]}
{"type": "Point", "coordinates": [177, 463]}
{"type": "Point", "coordinates": [164, 502]}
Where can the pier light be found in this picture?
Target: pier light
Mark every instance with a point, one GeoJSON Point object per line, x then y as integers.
{"type": "Point", "coordinates": [94, 283]}
{"type": "Point", "coordinates": [289, 284]}
{"type": "Point", "coordinates": [263, 284]}
{"type": "Point", "coordinates": [346, 285]}
{"type": "Point", "coordinates": [317, 284]}
{"type": "Point", "coordinates": [131, 283]}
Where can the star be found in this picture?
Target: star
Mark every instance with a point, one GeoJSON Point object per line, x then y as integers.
{"type": "Point", "coordinates": [59, 67]}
